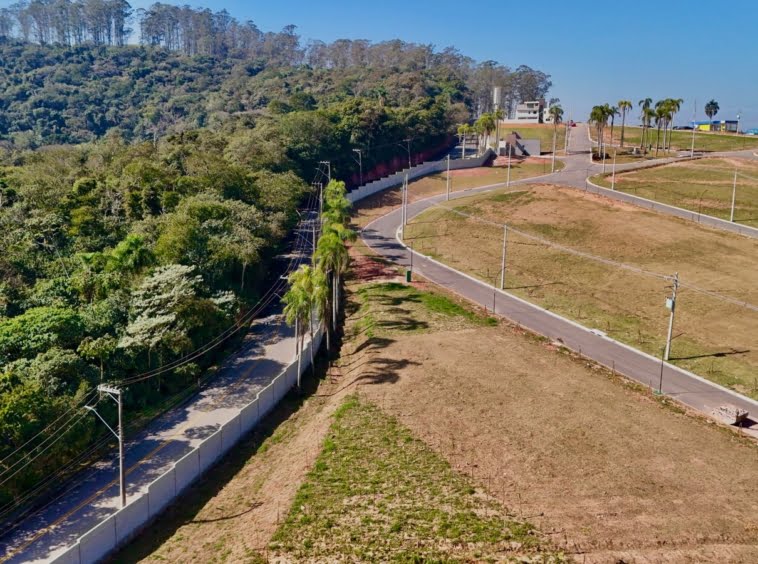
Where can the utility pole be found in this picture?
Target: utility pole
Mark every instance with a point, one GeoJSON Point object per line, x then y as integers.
{"type": "Point", "coordinates": [408, 141]}
{"type": "Point", "coordinates": [694, 115]}
{"type": "Point", "coordinates": [115, 395]}
{"type": "Point", "coordinates": [448, 177]}
{"type": "Point", "coordinates": [360, 164]}
{"type": "Point", "coordinates": [613, 176]}
{"type": "Point", "coordinates": [671, 305]}
{"type": "Point", "coordinates": [502, 263]}
{"type": "Point", "coordinates": [328, 169]}
{"type": "Point", "coordinates": [508, 180]}
{"type": "Point", "coordinates": [555, 136]}
{"type": "Point", "coordinates": [734, 196]}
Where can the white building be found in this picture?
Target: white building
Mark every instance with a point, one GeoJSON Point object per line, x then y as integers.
{"type": "Point", "coordinates": [530, 112]}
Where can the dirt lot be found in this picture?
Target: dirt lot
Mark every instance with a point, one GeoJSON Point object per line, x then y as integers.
{"type": "Point", "coordinates": [713, 337]}
{"type": "Point", "coordinates": [703, 186]}
{"type": "Point", "coordinates": [379, 204]}
{"type": "Point", "coordinates": [603, 469]}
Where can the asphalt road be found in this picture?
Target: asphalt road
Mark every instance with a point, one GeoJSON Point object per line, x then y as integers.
{"type": "Point", "coordinates": [700, 394]}
{"type": "Point", "coordinates": [92, 495]}
{"type": "Point", "coordinates": [578, 168]}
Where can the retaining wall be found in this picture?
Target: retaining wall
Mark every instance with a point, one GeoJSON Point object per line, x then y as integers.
{"type": "Point", "coordinates": [417, 171]}
{"type": "Point", "coordinates": [119, 527]}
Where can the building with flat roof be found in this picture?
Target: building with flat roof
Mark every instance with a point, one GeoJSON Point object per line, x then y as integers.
{"type": "Point", "coordinates": [729, 125]}
{"type": "Point", "coordinates": [530, 112]}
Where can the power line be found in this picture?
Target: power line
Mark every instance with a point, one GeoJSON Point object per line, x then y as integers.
{"type": "Point", "coordinates": [610, 262]}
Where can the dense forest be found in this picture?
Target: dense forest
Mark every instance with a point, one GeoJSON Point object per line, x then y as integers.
{"type": "Point", "coordinates": [75, 82]}
{"type": "Point", "coordinates": [144, 189]}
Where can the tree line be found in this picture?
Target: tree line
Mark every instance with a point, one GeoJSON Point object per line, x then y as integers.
{"type": "Point", "coordinates": [315, 289]}
{"type": "Point", "coordinates": [661, 115]}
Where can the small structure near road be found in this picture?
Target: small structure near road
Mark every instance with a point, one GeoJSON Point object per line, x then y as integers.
{"type": "Point", "coordinates": [519, 147]}
{"type": "Point", "coordinates": [730, 414]}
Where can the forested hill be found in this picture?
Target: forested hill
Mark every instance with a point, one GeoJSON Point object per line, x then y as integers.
{"type": "Point", "coordinates": [144, 189]}
{"type": "Point", "coordinates": [68, 76]}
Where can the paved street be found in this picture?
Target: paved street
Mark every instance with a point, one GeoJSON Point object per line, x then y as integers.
{"type": "Point", "coordinates": [690, 389]}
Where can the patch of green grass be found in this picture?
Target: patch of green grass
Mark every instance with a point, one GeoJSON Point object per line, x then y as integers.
{"type": "Point", "coordinates": [385, 305]}
{"type": "Point", "coordinates": [379, 494]}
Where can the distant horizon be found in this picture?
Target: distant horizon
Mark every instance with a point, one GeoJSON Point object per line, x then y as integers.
{"type": "Point", "coordinates": [593, 56]}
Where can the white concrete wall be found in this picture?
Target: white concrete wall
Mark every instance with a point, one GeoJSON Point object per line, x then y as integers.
{"type": "Point", "coordinates": [118, 527]}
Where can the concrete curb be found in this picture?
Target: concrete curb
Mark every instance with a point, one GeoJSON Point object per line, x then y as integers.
{"type": "Point", "coordinates": [569, 321]}
{"type": "Point", "coordinates": [718, 223]}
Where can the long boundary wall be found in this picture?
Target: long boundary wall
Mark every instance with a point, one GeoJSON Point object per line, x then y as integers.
{"type": "Point", "coordinates": [417, 171]}
{"type": "Point", "coordinates": [124, 524]}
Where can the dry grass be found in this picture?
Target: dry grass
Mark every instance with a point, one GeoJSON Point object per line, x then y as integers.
{"type": "Point", "coordinates": [703, 185]}
{"type": "Point", "coordinates": [682, 140]}
{"type": "Point", "coordinates": [713, 338]}
{"type": "Point", "coordinates": [541, 131]}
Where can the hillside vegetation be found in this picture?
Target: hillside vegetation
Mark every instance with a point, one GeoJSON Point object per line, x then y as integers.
{"type": "Point", "coordinates": [145, 190]}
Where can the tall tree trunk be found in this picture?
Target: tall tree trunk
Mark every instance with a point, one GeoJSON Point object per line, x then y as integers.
{"type": "Point", "coordinates": [623, 125]}
{"type": "Point", "coordinates": [310, 329]}
{"type": "Point", "coordinates": [658, 139]}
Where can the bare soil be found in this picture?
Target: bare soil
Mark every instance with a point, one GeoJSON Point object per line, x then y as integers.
{"type": "Point", "coordinates": [595, 463]}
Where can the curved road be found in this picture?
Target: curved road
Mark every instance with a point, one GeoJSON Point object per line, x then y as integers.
{"type": "Point", "coordinates": [382, 235]}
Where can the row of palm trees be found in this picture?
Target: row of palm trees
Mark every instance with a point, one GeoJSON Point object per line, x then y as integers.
{"type": "Point", "coordinates": [315, 288]}
{"type": "Point", "coordinates": [661, 113]}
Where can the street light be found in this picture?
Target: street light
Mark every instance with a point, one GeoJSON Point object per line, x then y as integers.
{"type": "Point", "coordinates": [115, 395]}
{"type": "Point", "coordinates": [360, 164]}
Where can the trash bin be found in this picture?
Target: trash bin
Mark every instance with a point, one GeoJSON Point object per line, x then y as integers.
{"type": "Point", "coordinates": [408, 275]}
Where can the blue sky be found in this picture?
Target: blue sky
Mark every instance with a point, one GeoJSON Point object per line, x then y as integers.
{"type": "Point", "coordinates": [595, 52]}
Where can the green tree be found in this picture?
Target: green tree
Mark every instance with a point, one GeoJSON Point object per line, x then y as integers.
{"type": "Point", "coordinates": [624, 106]}
{"type": "Point", "coordinates": [712, 108]}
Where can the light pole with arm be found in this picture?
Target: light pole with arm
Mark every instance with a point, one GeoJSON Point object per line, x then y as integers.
{"type": "Point", "coordinates": [115, 395]}
{"type": "Point", "coordinates": [360, 164]}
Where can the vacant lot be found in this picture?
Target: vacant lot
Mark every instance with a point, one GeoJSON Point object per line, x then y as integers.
{"type": "Point", "coordinates": [714, 337]}
{"type": "Point", "coordinates": [703, 185]}
{"type": "Point", "coordinates": [541, 131]}
{"type": "Point", "coordinates": [682, 140]}
{"type": "Point", "coordinates": [599, 466]}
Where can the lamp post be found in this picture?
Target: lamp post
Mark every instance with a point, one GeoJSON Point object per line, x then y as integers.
{"type": "Point", "coordinates": [115, 395]}
{"type": "Point", "coordinates": [328, 169]}
{"type": "Point", "coordinates": [360, 164]}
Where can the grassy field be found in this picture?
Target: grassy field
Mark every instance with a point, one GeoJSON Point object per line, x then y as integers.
{"type": "Point", "coordinates": [682, 140]}
{"type": "Point", "coordinates": [702, 185]}
{"type": "Point", "coordinates": [541, 131]}
{"type": "Point", "coordinates": [383, 202]}
{"type": "Point", "coordinates": [714, 338]}
{"type": "Point", "coordinates": [376, 493]}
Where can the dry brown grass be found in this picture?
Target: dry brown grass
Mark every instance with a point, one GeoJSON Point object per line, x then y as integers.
{"type": "Point", "coordinates": [713, 338]}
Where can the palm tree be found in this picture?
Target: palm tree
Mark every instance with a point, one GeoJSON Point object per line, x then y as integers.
{"type": "Point", "coordinates": [498, 114]}
{"type": "Point", "coordinates": [463, 130]}
{"type": "Point", "coordinates": [648, 115]}
{"type": "Point", "coordinates": [297, 309]}
{"type": "Point", "coordinates": [644, 105]}
{"type": "Point", "coordinates": [599, 118]}
{"type": "Point", "coordinates": [675, 104]}
{"type": "Point", "coordinates": [556, 114]}
{"type": "Point", "coordinates": [660, 116]}
{"type": "Point", "coordinates": [320, 288]}
{"type": "Point", "coordinates": [712, 108]}
{"type": "Point", "coordinates": [624, 106]}
{"type": "Point", "coordinates": [485, 125]}
{"type": "Point", "coordinates": [613, 111]}
{"type": "Point", "coordinates": [333, 258]}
